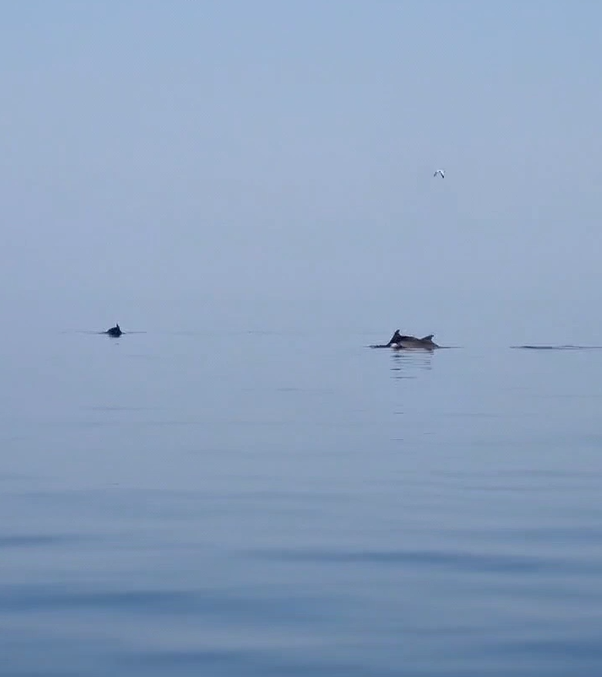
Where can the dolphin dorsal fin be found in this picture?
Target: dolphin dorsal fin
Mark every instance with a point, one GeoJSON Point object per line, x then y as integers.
{"type": "Point", "coordinates": [395, 338]}
{"type": "Point", "coordinates": [428, 338]}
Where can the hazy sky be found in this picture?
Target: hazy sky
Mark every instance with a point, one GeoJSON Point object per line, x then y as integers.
{"type": "Point", "coordinates": [286, 148]}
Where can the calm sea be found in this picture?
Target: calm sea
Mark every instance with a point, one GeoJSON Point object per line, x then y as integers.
{"type": "Point", "coordinates": [271, 503]}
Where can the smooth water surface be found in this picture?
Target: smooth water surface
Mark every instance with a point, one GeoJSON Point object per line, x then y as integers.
{"type": "Point", "coordinates": [269, 503]}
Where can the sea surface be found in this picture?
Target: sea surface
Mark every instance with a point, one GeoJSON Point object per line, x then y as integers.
{"type": "Point", "coordinates": [261, 502]}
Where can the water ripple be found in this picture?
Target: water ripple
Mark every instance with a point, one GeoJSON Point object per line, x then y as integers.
{"type": "Point", "coordinates": [263, 609]}
{"type": "Point", "coordinates": [35, 540]}
{"type": "Point", "coordinates": [229, 663]}
{"type": "Point", "coordinates": [459, 561]}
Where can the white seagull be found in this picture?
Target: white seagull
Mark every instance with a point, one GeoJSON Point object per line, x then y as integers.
{"type": "Point", "coordinates": [440, 172]}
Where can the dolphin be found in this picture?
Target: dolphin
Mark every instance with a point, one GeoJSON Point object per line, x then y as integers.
{"type": "Point", "coordinates": [413, 343]}
{"type": "Point", "coordinates": [114, 331]}
{"type": "Point", "coordinates": [400, 342]}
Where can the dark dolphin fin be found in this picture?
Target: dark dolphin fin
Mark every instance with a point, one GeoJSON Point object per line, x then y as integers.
{"type": "Point", "coordinates": [396, 338]}
{"type": "Point", "coordinates": [428, 342]}
{"type": "Point", "coordinates": [114, 331]}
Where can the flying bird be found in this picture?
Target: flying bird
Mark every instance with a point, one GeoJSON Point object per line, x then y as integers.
{"type": "Point", "coordinates": [440, 172]}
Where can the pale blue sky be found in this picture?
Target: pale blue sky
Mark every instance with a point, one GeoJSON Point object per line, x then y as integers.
{"type": "Point", "coordinates": [285, 148]}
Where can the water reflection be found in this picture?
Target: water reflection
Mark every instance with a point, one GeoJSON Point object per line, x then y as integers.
{"type": "Point", "coordinates": [409, 363]}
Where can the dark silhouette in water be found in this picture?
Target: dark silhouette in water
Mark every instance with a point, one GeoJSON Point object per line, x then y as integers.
{"type": "Point", "coordinates": [561, 347]}
{"type": "Point", "coordinates": [400, 342]}
{"type": "Point", "coordinates": [114, 331]}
